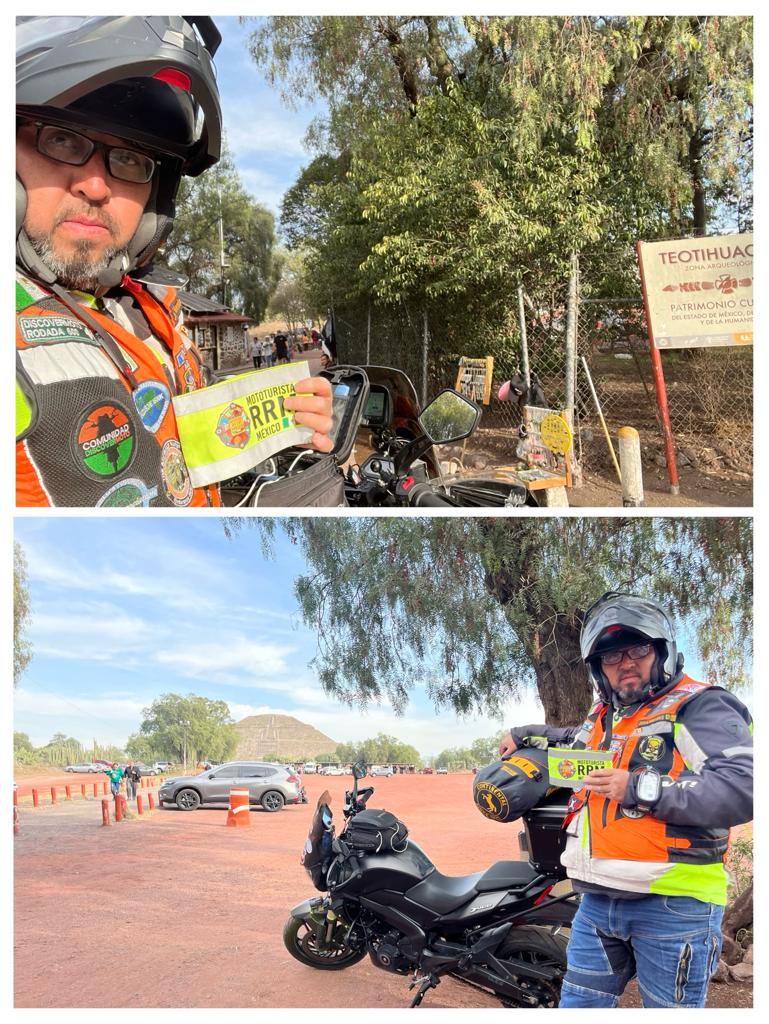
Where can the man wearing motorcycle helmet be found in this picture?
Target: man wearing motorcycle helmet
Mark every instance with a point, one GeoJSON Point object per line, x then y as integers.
{"type": "Point", "coordinates": [647, 839]}
{"type": "Point", "coordinates": [110, 113]}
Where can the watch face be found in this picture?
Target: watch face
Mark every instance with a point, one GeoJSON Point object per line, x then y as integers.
{"type": "Point", "coordinates": [648, 786]}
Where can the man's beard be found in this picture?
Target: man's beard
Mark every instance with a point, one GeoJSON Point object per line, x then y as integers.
{"type": "Point", "coordinates": [80, 269]}
{"type": "Point", "coordinates": [631, 692]}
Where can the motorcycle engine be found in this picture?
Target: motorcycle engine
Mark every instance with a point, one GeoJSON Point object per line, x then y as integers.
{"type": "Point", "coordinates": [385, 954]}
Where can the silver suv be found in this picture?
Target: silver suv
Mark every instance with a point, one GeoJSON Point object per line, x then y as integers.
{"type": "Point", "coordinates": [269, 785]}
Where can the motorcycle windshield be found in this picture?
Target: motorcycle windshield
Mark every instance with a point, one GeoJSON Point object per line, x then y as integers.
{"type": "Point", "coordinates": [316, 855]}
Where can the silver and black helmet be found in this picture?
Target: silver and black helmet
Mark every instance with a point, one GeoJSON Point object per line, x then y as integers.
{"type": "Point", "coordinates": [148, 80]}
{"type": "Point", "coordinates": [616, 620]}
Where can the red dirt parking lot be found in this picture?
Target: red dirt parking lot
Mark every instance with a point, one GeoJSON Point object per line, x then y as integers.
{"type": "Point", "coordinates": [174, 909]}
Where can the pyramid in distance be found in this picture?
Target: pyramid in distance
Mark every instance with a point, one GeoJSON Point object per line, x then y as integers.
{"type": "Point", "coordinates": [281, 737]}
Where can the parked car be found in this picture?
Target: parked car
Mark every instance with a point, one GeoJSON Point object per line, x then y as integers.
{"type": "Point", "coordinates": [84, 768]}
{"type": "Point", "coordinates": [335, 770]}
{"type": "Point", "coordinates": [163, 766]}
{"type": "Point", "coordinates": [427, 771]}
{"type": "Point", "coordinates": [269, 785]}
{"type": "Point", "coordinates": [442, 771]}
{"type": "Point", "coordinates": [146, 769]}
{"type": "Point", "coordinates": [381, 770]}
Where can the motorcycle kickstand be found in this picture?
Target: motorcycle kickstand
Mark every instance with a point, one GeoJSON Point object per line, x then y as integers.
{"type": "Point", "coordinates": [427, 982]}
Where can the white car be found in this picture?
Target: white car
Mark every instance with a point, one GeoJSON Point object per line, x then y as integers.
{"type": "Point", "coordinates": [442, 771]}
{"type": "Point", "coordinates": [335, 770]}
{"type": "Point", "coordinates": [380, 770]}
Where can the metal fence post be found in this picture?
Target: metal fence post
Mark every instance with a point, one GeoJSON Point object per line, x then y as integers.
{"type": "Point", "coordinates": [525, 371]}
{"type": "Point", "coordinates": [368, 335]}
{"type": "Point", "coordinates": [570, 369]}
{"type": "Point", "coordinates": [425, 354]}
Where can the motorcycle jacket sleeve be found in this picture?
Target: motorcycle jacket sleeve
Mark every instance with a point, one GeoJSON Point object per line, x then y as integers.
{"type": "Point", "coordinates": [543, 736]}
{"type": "Point", "coordinates": [714, 735]}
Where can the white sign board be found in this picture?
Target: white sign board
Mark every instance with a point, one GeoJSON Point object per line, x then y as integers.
{"type": "Point", "coordinates": [699, 291]}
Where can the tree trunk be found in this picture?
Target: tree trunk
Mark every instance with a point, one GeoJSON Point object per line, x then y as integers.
{"type": "Point", "coordinates": [697, 143]}
{"type": "Point", "coordinates": [737, 916]}
{"type": "Point", "coordinates": [562, 681]}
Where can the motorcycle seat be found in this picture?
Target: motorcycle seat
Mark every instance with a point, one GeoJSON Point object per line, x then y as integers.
{"type": "Point", "coordinates": [444, 893]}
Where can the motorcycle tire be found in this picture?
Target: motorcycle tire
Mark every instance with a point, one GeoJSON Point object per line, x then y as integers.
{"type": "Point", "coordinates": [537, 946]}
{"type": "Point", "coordinates": [299, 939]}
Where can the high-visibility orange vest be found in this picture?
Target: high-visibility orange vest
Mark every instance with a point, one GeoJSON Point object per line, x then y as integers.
{"type": "Point", "coordinates": [86, 435]}
{"type": "Point", "coordinates": [625, 848]}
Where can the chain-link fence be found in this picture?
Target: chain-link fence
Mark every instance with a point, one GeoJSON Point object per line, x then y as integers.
{"type": "Point", "coordinates": [710, 391]}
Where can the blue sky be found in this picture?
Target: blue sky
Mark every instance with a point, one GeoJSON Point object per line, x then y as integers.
{"type": "Point", "coordinates": [125, 609]}
{"type": "Point", "coordinates": [264, 135]}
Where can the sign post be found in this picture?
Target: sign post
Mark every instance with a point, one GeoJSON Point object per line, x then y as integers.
{"type": "Point", "coordinates": [698, 293]}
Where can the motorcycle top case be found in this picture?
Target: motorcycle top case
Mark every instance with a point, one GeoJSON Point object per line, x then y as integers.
{"type": "Point", "coordinates": [374, 831]}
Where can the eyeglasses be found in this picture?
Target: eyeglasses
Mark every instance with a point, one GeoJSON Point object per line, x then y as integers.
{"type": "Point", "coordinates": [68, 147]}
{"type": "Point", "coordinates": [634, 653]}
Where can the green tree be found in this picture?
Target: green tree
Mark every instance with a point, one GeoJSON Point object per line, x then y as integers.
{"type": "Point", "coordinates": [191, 727]}
{"type": "Point", "coordinates": [479, 610]}
{"type": "Point", "coordinates": [24, 751]}
{"type": "Point", "coordinates": [22, 614]}
{"type": "Point", "coordinates": [194, 248]}
{"type": "Point", "coordinates": [61, 750]}
{"type": "Point", "coordinates": [142, 748]}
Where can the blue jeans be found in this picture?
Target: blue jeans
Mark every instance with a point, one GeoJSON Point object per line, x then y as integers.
{"type": "Point", "coordinates": [671, 942]}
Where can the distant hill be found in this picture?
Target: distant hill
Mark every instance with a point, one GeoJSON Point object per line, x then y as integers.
{"type": "Point", "coordinates": [279, 736]}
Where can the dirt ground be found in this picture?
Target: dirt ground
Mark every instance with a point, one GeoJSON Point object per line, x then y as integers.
{"type": "Point", "coordinates": [174, 909]}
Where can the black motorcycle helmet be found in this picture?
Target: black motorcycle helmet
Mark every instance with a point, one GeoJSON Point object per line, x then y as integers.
{"type": "Point", "coordinates": [504, 790]}
{"type": "Point", "coordinates": [148, 80]}
{"type": "Point", "coordinates": [618, 620]}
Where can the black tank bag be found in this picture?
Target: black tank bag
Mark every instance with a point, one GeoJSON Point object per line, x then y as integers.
{"type": "Point", "coordinates": [376, 832]}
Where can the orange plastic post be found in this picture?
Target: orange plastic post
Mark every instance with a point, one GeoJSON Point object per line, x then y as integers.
{"type": "Point", "coordinates": [139, 808]}
{"type": "Point", "coordinates": [68, 792]}
{"type": "Point", "coordinates": [94, 790]}
{"type": "Point", "coordinates": [82, 789]}
{"type": "Point", "coordinates": [53, 794]}
{"type": "Point", "coordinates": [15, 797]}
{"type": "Point", "coordinates": [151, 800]}
{"type": "Point", "coordinates": [239, 814]}
{"type": "Point", "coordinates": [105, 813]}
{"type": "Point", "coordinates": [104, 789]}
{"type": "Point", "coordinates": [118, 808]}
{"type": "Point", "coordinates": [16, 825]}
{"type": "Point", "coordinates": [35, 798]}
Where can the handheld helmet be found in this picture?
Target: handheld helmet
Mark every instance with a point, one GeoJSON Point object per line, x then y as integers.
{"type": "Point", "coordinates": [617, 620]}
{"type": "Point", "coordinates": [148, 80]}
{"type": "Point", "coordinates": [504, 790]}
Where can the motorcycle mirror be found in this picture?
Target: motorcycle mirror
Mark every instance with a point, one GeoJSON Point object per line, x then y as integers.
{"type": "Point", "coordinates": [449, 417]}
{"type": "Point", "coordinates": [359, 770]}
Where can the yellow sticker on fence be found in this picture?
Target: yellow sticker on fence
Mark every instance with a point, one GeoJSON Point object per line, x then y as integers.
{"type": "Point", "coordinates": [230, 427]}
{"type": "Point", "coordinates": [555, 433]}
{"type": "Point", "coordinates": [567, 767]}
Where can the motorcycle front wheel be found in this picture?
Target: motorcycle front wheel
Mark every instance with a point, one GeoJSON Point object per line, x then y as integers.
{"type": "Point", "coordinates": [302, 943]}
{"type": "Point", "coordinates": [536, 946]}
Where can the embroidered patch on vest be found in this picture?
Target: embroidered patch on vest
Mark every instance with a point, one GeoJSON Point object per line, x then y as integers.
{"type": "Point", "coordinates": [175, 475]}
{"type": "Point", "coordinates": [152, 400]}
{"type": "Point", "coordinates": [133, 493]}
{"type": "Point", "coordinates": [651, 748]}
{"type": "Point", "coordinates": [46, 330]}
{"type": "Point", "coordinates": [105, 440]}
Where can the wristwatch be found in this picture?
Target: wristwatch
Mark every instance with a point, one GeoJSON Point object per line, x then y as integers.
{"type": "Point", "coordinates": [648, 787]}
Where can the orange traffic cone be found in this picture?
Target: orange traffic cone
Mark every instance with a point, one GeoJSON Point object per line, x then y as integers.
{"type": "Point", "coordinates": [239, 815]}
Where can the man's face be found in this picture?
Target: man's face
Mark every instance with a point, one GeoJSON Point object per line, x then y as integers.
{"type": "Point", "coordinates": [630, 676]}
{"type": "Point", "coordinates": [77, 218]}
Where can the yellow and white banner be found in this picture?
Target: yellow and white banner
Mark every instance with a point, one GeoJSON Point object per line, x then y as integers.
{"type": "Point", "coordinates": [568, 767]}
{"type": "Point", "coordinates": [699, 291]}
{"type": "Point", "coordinates": [230, 427]}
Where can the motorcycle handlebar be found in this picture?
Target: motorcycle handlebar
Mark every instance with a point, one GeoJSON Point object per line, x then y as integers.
{"type": "Point", "coordinates": [424, 495]}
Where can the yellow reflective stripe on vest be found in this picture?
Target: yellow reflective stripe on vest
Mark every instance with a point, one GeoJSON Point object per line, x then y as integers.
{"type": "Point", "coordinates": [230, 427]}
{"type": "Point", "coordinates": [23, 411]}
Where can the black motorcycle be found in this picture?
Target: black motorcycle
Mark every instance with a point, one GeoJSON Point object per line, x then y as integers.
{"type": "Point", "coordinates": [499, 930]}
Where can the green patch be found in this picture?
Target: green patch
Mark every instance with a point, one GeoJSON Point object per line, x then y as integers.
{"type": "Point", "coordinates": [47, 330]}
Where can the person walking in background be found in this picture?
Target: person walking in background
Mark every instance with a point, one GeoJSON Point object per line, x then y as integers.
{"type": "Point", "coordinates": [267, 351]}
{"type": "Point", "coordinates": [281, 348]}
{"type": "Point", "coordinates": [256, 352]}
{"type": "Point", "coordinates": [114, 773]}
{"type": "Point", "coordinates": [132, 776]}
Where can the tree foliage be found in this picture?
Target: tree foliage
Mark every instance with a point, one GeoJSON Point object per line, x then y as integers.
{"type": "Point", "coordinates": [379, 749]}
{"type": "Point", "coordinates": [478, 611]}
{"type": "Point", "coordinates": [194, 248]}
{"type": "Point", "coordinates": [22, 614]}
{"type": "Point", "coordinates": [461, 156]}
{"type": "Point", "coordinates": [187, 729]}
